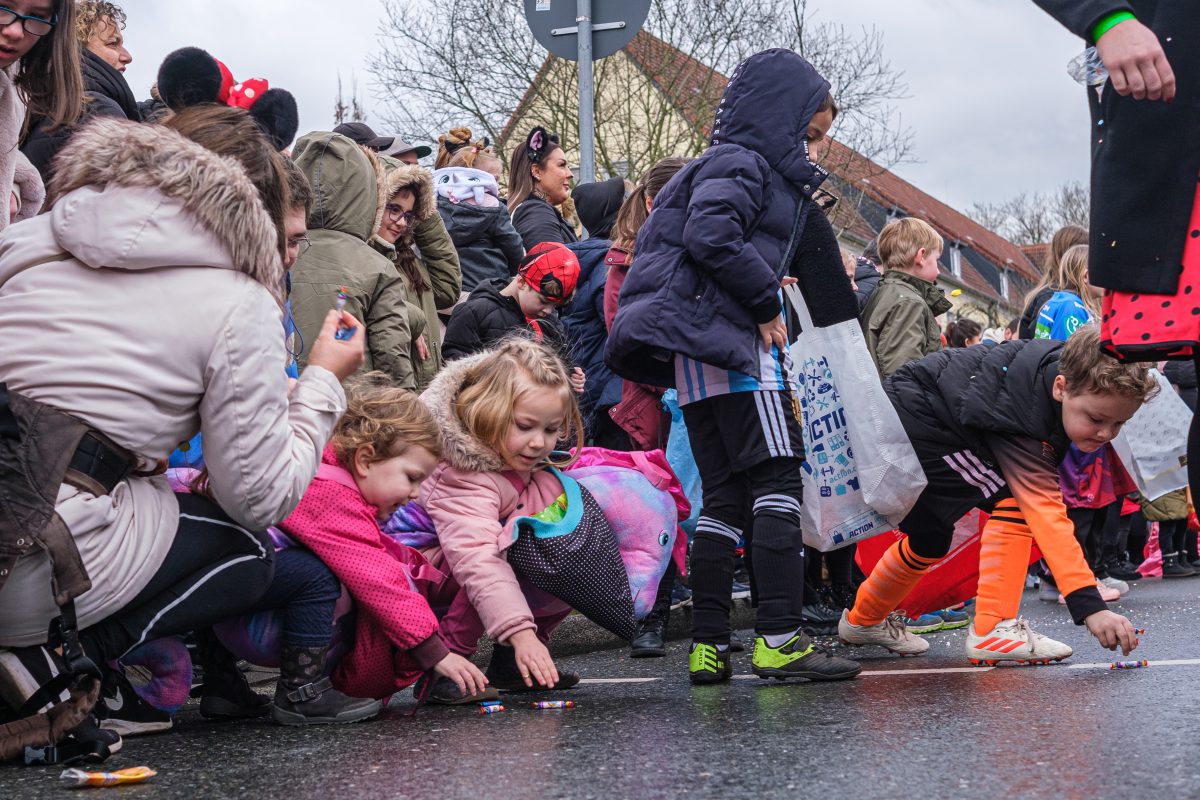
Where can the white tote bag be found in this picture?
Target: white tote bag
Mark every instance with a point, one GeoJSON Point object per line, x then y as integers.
{"type": "Point", "coordinates": [861, 474]}
{"type": "Point", "coordinates": [1153, 444]}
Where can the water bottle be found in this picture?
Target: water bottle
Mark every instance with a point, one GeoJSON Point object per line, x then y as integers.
{"type": "Point", "coordinates": [1087, 69]}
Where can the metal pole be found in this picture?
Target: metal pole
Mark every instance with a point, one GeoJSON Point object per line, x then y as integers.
{"type": "Point", "coordinates": [587, 123]}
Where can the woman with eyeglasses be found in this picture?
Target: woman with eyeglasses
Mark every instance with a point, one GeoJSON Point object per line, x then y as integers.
{"type": "Point", "coordinates": [39, 62]}
{"type": "Point", "coordinates": [409, 192]}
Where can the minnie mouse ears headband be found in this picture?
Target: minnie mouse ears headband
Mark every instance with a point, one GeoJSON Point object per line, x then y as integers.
{"type": "Point", "coordinates": [539, 144]}
{"type": "Point", "coordinates": [190, 76]}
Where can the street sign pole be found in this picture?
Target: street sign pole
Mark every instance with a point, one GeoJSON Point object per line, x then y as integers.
{"type": "Point", "coordinates": [587, 105]}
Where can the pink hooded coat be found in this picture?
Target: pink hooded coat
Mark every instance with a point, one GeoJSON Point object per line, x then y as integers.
{"type": "Point", "coordinates": [396, 636]}
{"type": "Point", "coordinates": [471, 497]}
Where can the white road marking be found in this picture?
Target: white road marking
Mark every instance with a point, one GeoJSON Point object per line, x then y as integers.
{"type": "Point", "coordinates": [618, 680]}
{"type": "Point", "coordinates": [1179, 662]}
{"type": "Point", "coordinates": [924, 671]}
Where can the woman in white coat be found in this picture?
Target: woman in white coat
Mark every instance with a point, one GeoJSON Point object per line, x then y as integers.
{"type": "Point", "coordinates": [147, 302]}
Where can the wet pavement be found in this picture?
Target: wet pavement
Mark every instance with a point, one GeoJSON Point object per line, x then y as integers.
{"type": "Point", "coordinates": [930, 726]}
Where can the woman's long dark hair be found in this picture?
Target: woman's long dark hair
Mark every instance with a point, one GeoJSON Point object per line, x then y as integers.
{"type": "Point", "coordinates": [520, 167]}
{"type": "Point", "coordinates": [50, 80]}
{"type": "Point", "coordinates": [632, 214]}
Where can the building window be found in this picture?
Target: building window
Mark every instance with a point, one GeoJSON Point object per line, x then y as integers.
{"type": "Point", "coordinates": [1004, 284]}
{"type": "Point", "coordinates": [956, 262]}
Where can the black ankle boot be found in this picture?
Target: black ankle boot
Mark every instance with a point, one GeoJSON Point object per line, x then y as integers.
{"type": "Point", "coordinates": [1171, 568]}
{"type": "Point", "coordinates": [225, 693]}
{"type": "Point", "coordinates": [304, 696]}
{"type": "Point", "coordinates": [503, 673]}
{"type": "Point", "coordinates": [649, 640]}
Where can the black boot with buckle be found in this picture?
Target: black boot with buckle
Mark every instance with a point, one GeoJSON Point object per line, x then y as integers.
{"type": "Point", "coordinates": [304, 696]}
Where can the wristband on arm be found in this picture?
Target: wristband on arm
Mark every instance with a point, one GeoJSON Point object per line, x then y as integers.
{"type": "Point", "coordinates": [1109, 22]}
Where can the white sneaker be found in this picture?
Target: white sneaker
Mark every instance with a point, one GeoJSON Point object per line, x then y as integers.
{"type": "Point", "coordinates": [890, 633]}
{"type": "Point", "coordinates": [1013, 641]}
{"type": "Point", "coordinates": [1116, 583]}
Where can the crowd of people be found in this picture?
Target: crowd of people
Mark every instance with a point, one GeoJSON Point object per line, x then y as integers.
{"type": "Point", "coordinates": [336, 406]}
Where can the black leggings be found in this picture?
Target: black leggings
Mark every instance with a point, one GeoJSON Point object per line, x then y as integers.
{"type": "Point", "coordinates": [214, 570]}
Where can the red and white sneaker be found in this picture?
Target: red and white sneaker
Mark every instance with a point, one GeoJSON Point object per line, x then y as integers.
{"type": "Point", "coordinates": [1013, 641]}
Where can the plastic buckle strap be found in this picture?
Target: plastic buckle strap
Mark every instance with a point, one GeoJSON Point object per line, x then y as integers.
{"type": "Point", "coordinates": [309, 691]}
{"type": "Point", "coordinates": [36, 756]}
{"type": "Point", "coordinates": [64, 631]}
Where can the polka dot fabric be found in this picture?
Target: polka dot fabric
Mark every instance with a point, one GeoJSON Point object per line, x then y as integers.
{"type": "Point", "coordinates": [582, 567]}
{"type": "Point", "coordinates": [1151, 327]}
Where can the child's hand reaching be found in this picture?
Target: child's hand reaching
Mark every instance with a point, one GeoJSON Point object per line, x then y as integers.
{"type": "Point", "coordinates": [774, 333]}
{"type": "Point", "coordinates": [533, 659]}
{"type": "Point", "coordinates": [1111, 630]}
{"type": "Point", "coordinates": [578, 379]}
{"type": "Point", "coordinates": [465, 675]}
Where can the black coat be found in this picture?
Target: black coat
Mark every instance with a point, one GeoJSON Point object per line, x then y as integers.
{"type": "Point", "coordinates": [108, 95]}
{"type": "Point", "coordinates": [955, 398]}
{"type": "Point", "coordinates": [1145, 156]}
{"type": "Point", "coordinates": [597, 205]}
{"type": "Point", "coordinates": [1029, 317]}
{"type": "Point", "coordinates": [487, 316]}
{"type": "Point", "coordinates": [866, 278]}
{"type": "Point", "coordinates": [537, 221]}
{"type": "Point", "coordinates": [1183, 375]}
{"type": "Point", "coordinates": [488, 246]}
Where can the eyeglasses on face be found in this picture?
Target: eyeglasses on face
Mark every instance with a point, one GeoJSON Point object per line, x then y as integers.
{"type": "Point", "coordinates": [397, 213]}
{"type": "Point", "coordinates": [300, 242]}
{"type": "Point", "coordinates": [34, 25]}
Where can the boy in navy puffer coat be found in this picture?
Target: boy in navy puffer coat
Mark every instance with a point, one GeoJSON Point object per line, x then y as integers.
{"type": "Point", "coordinates": [701, 310]}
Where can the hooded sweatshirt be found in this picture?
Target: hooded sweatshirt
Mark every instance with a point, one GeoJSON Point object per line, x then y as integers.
{"type": "Point", "coordinates": [341, 222]}
{"type": "Point", "coordinates": [597, 205]}
{"type": "Point", "coordinates": [727, 228]}
{"type": "Point", "coordinates": [160, 253]}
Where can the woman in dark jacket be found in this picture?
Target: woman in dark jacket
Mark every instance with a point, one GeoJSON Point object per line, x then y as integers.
{"type": "Point", "coordinates": [540, 179]}
{"type": "Point", "coordinates": [103, 61]}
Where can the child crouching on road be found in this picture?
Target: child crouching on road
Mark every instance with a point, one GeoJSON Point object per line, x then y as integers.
{"type": "Point", "coordinates": [502, 413]}
{"type": "Point", "coordinates": [701, 309]}
{"type": "Point", "coordinates": [384, 446]}
{"type": "Point", "coordinates": [991, 426]}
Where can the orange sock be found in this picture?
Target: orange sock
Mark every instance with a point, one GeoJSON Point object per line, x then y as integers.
{"type": "Point", "coordinates": [888, 584]}
{"type": "Point", "coordinates": [1003, 562]}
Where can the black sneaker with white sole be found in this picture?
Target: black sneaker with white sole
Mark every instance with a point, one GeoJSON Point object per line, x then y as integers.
{"type": "Point", "coordinates": [121, 709]}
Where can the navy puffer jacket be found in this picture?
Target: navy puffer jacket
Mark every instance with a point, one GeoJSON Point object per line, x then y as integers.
{"type": "Point", "coordinates": [583, 319]}
{"type": "Point", "coordinates": [723, 231]}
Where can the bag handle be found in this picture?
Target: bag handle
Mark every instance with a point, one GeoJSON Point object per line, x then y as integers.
{"type": "Point", "coordinates": [796, 298]}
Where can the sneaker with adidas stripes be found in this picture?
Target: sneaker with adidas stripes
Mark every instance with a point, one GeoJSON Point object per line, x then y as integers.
{"type": "Point", "coordinates": [1013, 642]}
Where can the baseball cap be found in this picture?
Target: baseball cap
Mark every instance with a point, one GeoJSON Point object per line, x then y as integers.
{"type": "Point", "coordinates": [400, 147]}
{"type": "Point", "coordinates": [362, 134]}
{"type": "Point", "coordinates": [551, 269]}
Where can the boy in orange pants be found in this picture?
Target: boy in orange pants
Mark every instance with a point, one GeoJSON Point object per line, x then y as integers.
{"type": "Point", "coordinates": [990, 426]}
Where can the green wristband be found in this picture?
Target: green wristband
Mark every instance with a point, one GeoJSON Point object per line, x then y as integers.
{"type": "Point", "coordinates": [1108, 23]}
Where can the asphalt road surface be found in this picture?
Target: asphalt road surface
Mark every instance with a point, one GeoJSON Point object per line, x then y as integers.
{"type": "Point", "coordinates": [928, 727]}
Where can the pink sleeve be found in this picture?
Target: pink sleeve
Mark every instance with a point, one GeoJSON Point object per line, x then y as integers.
{"type": "Point", "coordinates": [612, 290]}
{"type": "Point", "coordinates": [465, 509]}
{"type": "Point", "coordinates": [349, 542]}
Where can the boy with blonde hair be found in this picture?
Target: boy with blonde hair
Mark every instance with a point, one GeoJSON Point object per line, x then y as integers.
{"type": "Point", "coordinates": [900, 319]}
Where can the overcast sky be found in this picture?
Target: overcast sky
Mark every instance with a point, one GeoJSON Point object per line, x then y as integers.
{"type": "Point", "coordinates": [991, 104]}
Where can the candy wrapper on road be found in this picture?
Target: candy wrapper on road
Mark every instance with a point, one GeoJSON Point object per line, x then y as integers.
{"type": "Point", "coordinates": [81, 778]}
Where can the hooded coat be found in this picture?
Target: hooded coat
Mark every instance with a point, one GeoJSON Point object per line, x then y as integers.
{"type": "Point", "coordinates": [487, 316]}
{"type": "Point", "coordinates": [900, 320]}
{"type": "Point", "coordinates": [340, 224]}
{"type": "Point", "coordinates": [422, 305]}
{"type": "Point", "coordinates": [727, 228]}
{"type": "Point", "coordinates": [597, 205]}
{"type": "Point", "coordinates": [107, 95]}
{"type": "Point", "coordinates": [473, 501]}
{"type": "Point", "coordinates": [17, 175]}
{"type": "Point", "coordinates": [583, 322]}
{"type": "Point", "coordinates": [488, 245]}
{"type": "Point", "coordinates": [161, 252]}
{"type": "Point", "coordinates": [1144, 154]}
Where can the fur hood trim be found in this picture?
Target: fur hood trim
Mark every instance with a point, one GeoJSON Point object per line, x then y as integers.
{"type": "Point", "coordinates": [213, 188]}
{"type": "Point", "coordinates": [460, 449]}
{"type": "Point", "coordinates": [415, 179]}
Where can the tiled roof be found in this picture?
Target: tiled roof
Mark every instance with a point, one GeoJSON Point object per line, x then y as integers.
{"type": "Point", "coordinates": [1037, 254]}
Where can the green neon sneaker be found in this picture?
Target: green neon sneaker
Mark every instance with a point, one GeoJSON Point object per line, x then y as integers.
{"type": "Point", "coordinates": [707, 664]}
{"type": "Point", "coordinates": [798, 657]}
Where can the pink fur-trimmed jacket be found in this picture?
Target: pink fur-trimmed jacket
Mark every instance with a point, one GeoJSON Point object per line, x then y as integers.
{"type": "Point", "coordinates": [471, 498]}
{"type": "Point", "coordinates": [396, 634]}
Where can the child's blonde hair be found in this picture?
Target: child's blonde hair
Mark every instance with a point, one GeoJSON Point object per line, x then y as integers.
{"type": "Point", "coordinates": [485, 404]}
{"type": "Point", "coordinates": [385, 418]}
{"type": "Point", "coordinates": [1073, 276]}
{"type": "Point", "coordinates": [900, 240]}
{"type": "Point", "coordinates": [1089, 370]}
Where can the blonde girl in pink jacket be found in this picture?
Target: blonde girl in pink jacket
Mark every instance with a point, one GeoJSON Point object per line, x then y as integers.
{"type": "Point", "coordinates": [502, 412]}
